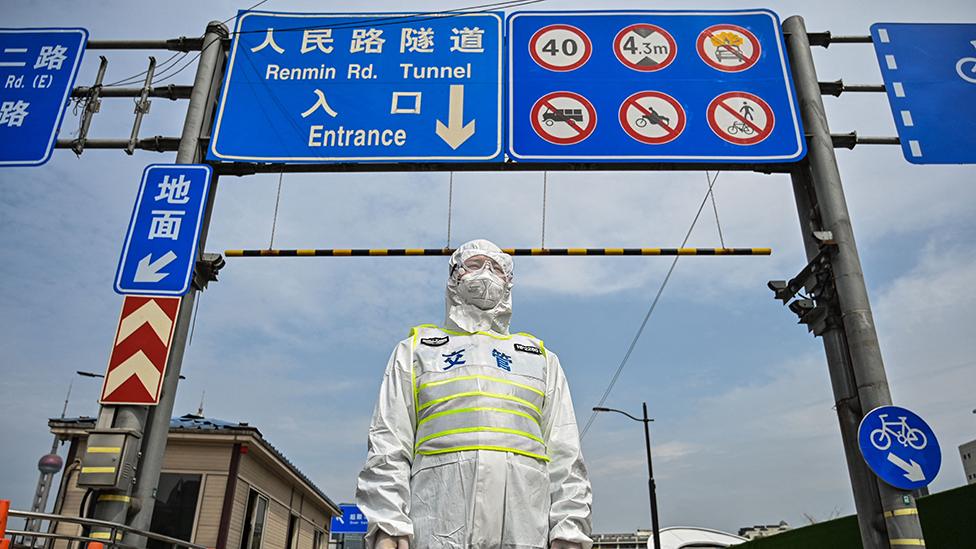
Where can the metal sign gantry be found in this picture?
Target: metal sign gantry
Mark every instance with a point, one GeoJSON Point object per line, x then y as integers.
{"type": "Point", "coordinates": [887, 515]}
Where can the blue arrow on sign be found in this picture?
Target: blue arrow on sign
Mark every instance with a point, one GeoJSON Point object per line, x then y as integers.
{"type": "Point", "coordinates": [899, 447]}
{"type": "Point", "coordinates": [352, 521]}
{"type": "Point", "coordinates": [160, 247]}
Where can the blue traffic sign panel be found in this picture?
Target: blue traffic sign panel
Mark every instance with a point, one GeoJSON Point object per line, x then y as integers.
{"type": "Point", "coordinates": [658, 86]}
{"type": "Point", "coordinates": [352, 521]}
{"type": "Point", "coordinates": [37, 71]}
{"type": "Point", "coordinates": [899, 447]}
{"type": "Point", "coordinates": [929, 73]}
{"type": "Point", "coordinates": [160, 248]}
{"type": "Point", "coordinates": [361, 88]}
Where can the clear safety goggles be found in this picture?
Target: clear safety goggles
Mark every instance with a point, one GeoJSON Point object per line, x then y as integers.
{"type": "Point", "coordinates": [477, 261]}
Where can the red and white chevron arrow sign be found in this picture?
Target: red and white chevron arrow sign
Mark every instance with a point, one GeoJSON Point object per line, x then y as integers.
{"type": "Point", "coordinates": [141, 349]}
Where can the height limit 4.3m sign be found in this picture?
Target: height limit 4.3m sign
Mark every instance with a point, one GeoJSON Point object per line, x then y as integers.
{"type": "Point", "coordinates": [361, 88]}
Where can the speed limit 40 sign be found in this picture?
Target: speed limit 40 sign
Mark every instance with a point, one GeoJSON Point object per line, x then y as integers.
{"type": "Point", "coordinates": [560, 48]}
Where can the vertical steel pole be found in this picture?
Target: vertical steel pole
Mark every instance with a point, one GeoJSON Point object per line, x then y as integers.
{"type": "Point", "coordinates": [846, 400]}
{"type": "Point", "coordinates": [651, 485]}
{"type": "Point", "coordinates": [199, 115]}
{"type": "Point", "coordinates": [114, 505]}
{"type": "Point", "coordinates": [890, 520]}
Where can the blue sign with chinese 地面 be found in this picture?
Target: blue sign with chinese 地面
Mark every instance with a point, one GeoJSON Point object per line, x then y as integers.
{"type": "Point", "coordinates": [160, 247]}
{"type": "Point", "coordinates": [323, 88]}
{"type": "Point", "coordinates": [929, 73]}
{"type": "Point", "coordinates": [651, 86]}
{"type": "Point", "coordinates": [37, 72]}
{"type": "Point", "coordinates": [352, 521]}
{"type": "Point", "coordinates": [899, 447]}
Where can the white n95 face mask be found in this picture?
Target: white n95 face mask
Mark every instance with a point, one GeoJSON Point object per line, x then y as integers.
{"type": "Point", "coordinates": [484, 289]}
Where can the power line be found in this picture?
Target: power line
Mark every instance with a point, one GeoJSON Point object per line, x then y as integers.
{"type": "Point", "coordinates": [650, 310]}
{"type": "Point", "coordinates": [374, 22]}
{"type": "Point", "coordinates": [134, 78]}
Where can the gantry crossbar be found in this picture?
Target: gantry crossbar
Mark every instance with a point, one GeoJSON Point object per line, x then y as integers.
{"type": "Point", "coordinates": [402, 252]}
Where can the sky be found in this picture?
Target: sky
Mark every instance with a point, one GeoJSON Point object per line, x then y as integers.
{"type": "Point", "coordinates": [744, 429]}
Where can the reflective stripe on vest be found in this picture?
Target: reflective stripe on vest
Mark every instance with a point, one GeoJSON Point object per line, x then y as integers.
{"type": "Point", "coordinates": [479, 409]}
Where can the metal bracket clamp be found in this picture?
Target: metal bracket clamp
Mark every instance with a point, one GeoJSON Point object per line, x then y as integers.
{"type": "Point", "coordinates": [142, 106]}
{"type": "Point", "coordinates": [110, 459]}
{"type": "Point", "coordinates": [206, 270]}
{"type": "Point", "coordinates": [813, 289]}
{"type": "Point", "coordinates": [92, 105]}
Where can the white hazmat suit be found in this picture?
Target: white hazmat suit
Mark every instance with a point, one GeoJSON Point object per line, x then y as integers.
{"type": "Point", "coordinates": [473, 442]}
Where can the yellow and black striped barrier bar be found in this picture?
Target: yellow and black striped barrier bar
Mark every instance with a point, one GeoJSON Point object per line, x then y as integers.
{"type": "Point", "coordinates": [402, 252]}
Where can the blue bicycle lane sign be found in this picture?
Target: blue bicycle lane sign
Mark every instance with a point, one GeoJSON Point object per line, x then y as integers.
{"type": "Point", "coordinates": [899, 447]}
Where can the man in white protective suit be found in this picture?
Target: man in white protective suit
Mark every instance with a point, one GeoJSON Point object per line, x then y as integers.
{"type": "Point", "coordinates": [473, 442]}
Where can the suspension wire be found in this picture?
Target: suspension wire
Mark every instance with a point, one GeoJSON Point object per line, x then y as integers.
{"type": "Point", "coordinates": [545, 185]}
{"type": "Point", "coordinates": [711, 193]}
{"type": "Point", "coordinates": [450, 207]}
{"type": "Point", "coordinates": [196, 312]}
{"type": "Point", "coordinates": [650, 311]}
{"type": "Point", "coordinates": [135, 77]}
{"type": "Point", "coordinates": [274, 221]}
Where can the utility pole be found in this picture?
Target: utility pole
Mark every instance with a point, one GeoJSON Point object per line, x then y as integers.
{"type": "Point", "coordinates": [153, 423]}
{"type": "Point", "coordinates": [887, 516]}
{"type": "Point", "coordinates": [651, 484]}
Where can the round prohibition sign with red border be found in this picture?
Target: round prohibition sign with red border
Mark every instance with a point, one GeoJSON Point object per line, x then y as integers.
{"type": "Point", "coordinates": [563, 118]}
{"type": "Point", "coordinates": [652, 117]}
{"type": "Point", "coordinates": [560, 48]}
{"type": "Point", "coordinates": [728, 48]}
{"type": "Point", "coordinates": [645, 47]}
{"type": "Point", "coordinates": [741, 118]}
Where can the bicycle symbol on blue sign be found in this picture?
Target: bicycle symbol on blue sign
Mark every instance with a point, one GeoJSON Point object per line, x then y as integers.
{"type": "Point", "coordinates": [899, 447]}
{"type": "Point", "coordinates": [966, 67]}
{"type": "Point", "coordinates": [904, 435]}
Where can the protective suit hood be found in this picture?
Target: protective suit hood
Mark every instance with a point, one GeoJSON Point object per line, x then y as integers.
{"type": "Point", "coordinates": [462, 314]}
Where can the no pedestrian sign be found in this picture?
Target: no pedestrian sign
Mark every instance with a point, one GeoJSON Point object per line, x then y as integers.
{"type": "Point", "coordinates": [656, 86]}
{"type": "Point", "coordinates": [369, 87]}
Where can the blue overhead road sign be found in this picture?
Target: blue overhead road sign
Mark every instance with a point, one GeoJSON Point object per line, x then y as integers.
{"type": "Point", "coordinates": [899, 447]}
{"type": "Point", "coordinates": [160, 247]}
{"type": "Point", "coordinates": [652, 86]}
{"type": "Point", "coordinates": [361, 88]}
{"type": "Point", "coordinates": [352, 521]}
{"type": "Point", "coordinates": [929, 73]}
{"type": "Point", "coordinates": [37, 70]}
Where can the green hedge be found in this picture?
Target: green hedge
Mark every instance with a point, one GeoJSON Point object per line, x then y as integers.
{"type": "Point", "coordinates": [948, 522]}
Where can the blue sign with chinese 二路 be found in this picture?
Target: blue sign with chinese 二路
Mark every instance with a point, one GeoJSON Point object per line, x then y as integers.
{"type": "Point", "coordinates": [352, 521]}
{"type": "Point", "coordinates": [361, 88]}
{"type": "Point", "coordinates": [160, 247]}
{"type": "Point", "coordinates": [37, 71]}
{"type": "Point", "coordinates": [650, 86]}
{"type": "Point", "coordinates": [899, 447]}
{"type": "Point", "coordinates": [929, 73]}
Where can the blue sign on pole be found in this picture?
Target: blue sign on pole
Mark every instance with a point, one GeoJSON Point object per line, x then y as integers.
{"type": "Point", "coordinates": [899, 447]}
{"type": "Point", "coordinates": [929, 73]}
{"type": "Point", "coordinates": [37, 71]}
{"type": "Point", "coordinates": [361, 88]}
{"type": "Point", "coordinates": [655, 86]}
{"type": "Point", "coordinates": [352, 521]}
{"type": "Point", "coordinates": [160, 247]}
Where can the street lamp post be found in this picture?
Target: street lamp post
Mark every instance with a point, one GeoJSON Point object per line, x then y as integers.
{"type": "Point", "coordinates": [651, 486]}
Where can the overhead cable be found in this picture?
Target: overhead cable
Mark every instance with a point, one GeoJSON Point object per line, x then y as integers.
{"type": "Point", "coordinates": [650, 310]}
